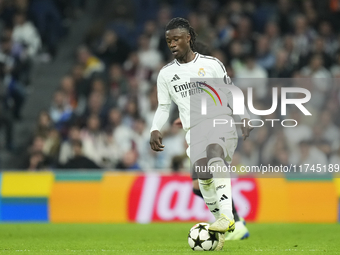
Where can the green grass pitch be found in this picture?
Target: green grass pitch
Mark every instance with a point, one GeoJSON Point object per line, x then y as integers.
{"type": "Point", "coordinates": [162, 238]}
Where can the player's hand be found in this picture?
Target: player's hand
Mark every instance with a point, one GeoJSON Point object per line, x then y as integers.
{"type": "Point", "coordinates": [156, 141]}
{"type": "Point", "coordinates": [177, 123]}
{"type": "Point", "coordinates": [246, 129]}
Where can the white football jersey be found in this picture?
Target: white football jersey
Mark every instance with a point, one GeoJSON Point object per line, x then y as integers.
{"type": "Point", "coordinates": [175, 83]}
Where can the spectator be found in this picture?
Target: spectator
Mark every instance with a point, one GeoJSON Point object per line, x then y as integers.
{"type": "Point", "coordinates": [281, 68]}
{"type": "Point", "coordinates": [112, 49]}
{"type": "Point", "coordinates": [257, 74]}
{"type": "Point", "coordinates": [244, 36]}
{"type": "Point", "coordinates": [174, 138]}
{"type": "Point", "coordinates": [49, 23]}
{"type": "Point", "coordinates": [149, 58]}
{"type": "Point", "coordinates": [98, 86]}
{"type": "Point", "coordinates": [68, 88]}
{"type": "Point", "coordinates": [132, 66]}
{"type": "Point", "coordinates": [131, 113]}
{"type": "Point", "coordinates": [308, 154]}
{"type": "Point", "coordinates": [66, 152]}
{"type": "Point", "coordinates": [26, 34]}
{"type": "Point", "coordinates": [121, 134]}
{"type": "Point", "coordinates": [303, 35]}
{"type": "Point", "coordinates": [12, 67]}
{"type": "Point", "coordinates": [96, 105]}
{"type": "Point", "coordinates": [301, 132]}
{"type": "Point", "coordinates": [151, 108]}
{"type": "Point", "coordinates": [318, 72]}
{"type": "Point", "coordinates": [52, 145]}
{"type": "Point", "coordinates": [225, 32]}
{"type": "Point", "coordinates": [79, 161]}
{"type": "Point", "coordinates": [44, 124]}
{"type": "Point", "coordinates": [37, 161]}
{"type": "Point", "coordinates": [200, 25]}
{"type": "Point", "coordinates": [111, 153]}
{"type": "Point", "coordinates": [177, 163]}
{"type": "Point", "coordinates": [327, 33]}
{"type": "Point", "coordinates": [265, 58]}
{"type": "Point", "coordinates": [81, 84]}
{"type": "Point", "coordinates": [118, 82]}
{"type": "Point", "coordinates": [293, 55]}
{"type": "Point", "coordinates": [152, 32]}
{"type": "Point", "coordinates": [277, 142]}
{"type": "Point", "coordinates": [141, 139]}
{"type": "Point", "coordinates": [98, 146]}
{"type": "Point", "coordinates": [272, 32]}
{"type": "Point", "coordinates": [129, 162]}
{"type": "Point", "coordinates": [60, 111]}
{"type": "Point", "coordinates": [90, 63]}
{"type": "Point", "coordinates": [318, 48]}
{"type": "Point", "coordinates": [235, 54]}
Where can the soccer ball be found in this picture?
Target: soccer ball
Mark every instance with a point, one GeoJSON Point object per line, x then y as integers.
{"type": "Point", "coordinates": [200, 239]}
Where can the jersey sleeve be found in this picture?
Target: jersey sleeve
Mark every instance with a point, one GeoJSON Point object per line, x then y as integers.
{"type": "Point", "coordinates": [162, 90]}
{"type": "Point", "coordinates": [220, 70]}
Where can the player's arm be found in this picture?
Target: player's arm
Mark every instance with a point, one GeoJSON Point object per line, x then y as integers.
{"type": "Point", "coordinates": [161, 115]}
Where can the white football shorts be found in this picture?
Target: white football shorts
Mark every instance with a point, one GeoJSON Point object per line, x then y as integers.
{"type": "Point", "coordinates": [212, 131]}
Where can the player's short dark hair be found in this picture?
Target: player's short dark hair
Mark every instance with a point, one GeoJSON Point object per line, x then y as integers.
{"type": "Point", "coordinates": [183, 23]}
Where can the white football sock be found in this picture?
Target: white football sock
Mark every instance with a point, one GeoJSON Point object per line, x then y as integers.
{"type": "Point", "coordinates": [207, 188]}
{"type": "Point", "coordinates": [222, 187]}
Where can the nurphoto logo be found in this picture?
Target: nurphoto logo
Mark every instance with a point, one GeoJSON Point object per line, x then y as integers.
{"type": "Point", "coordinates": [238, 104]}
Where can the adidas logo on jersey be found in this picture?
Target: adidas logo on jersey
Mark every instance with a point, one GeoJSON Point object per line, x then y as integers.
{"type": "Point", "coordinates": [175, 78]}
{"type": "Point", "coordinates": [224, 197]}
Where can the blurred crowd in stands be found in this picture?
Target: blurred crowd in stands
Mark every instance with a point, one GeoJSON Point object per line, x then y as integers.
{"type": "Point", "coordinates": [30, 31]}
{"type": "Point", "coordinates": [101, 114]}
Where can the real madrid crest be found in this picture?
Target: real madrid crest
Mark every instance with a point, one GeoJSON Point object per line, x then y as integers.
{"type": "Point", "coordinates": [201, 72]}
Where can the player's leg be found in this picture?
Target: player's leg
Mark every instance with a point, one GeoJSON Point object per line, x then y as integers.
{"type": "Point", "coordinates": [205, 186]}
{"type": "Point", "coordinates": [197, 149]}
{"type": "Point", "coordinates": [236, 217]}
{"type": "Point", "coordinates": [197, 153]}
{"type": "Point", "coordinates": [215, 156]}
{"type": "Point", "coordinates": [196, 190]}
{"type": "Point", "coordinates": [241, 232]}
